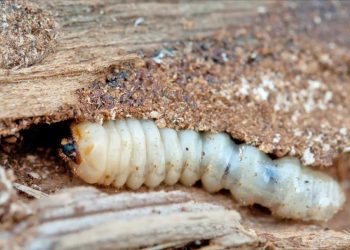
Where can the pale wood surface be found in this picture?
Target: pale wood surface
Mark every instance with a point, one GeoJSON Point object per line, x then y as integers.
{"type": "Point", "coordinates": [84, 218]}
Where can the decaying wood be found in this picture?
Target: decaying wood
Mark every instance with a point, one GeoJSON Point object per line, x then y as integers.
{"type": "Point", "coordinates": [11, 209]}
{"type": "Point", "coordinates": [27, 33]}
{"type": "Point", "coordinates": [272, 74]}
{"type": "Point", "coordinates": [84, 218]}
{"type": "Point", "coordinates": [95, 36]}
{"type": "Point", "coordinates": [6, 192]}
{"type": "Point", "coordinates": [308, 239]}
{"type": "Point", "coordinates": [30, 191]}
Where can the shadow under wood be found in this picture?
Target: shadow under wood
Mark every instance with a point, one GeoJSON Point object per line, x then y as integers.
{"type": "Point", "coordinates": [32, 155]}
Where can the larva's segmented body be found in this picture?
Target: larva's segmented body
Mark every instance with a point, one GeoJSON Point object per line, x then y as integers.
{"type": "Point", "coordinates": [134, 152]}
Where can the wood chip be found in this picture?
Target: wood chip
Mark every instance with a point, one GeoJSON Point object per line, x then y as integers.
{"type": "Point", "coordinates": [30, 191]}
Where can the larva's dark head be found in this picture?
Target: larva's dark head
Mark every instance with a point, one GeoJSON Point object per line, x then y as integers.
{"type": "Point", "coordinates": [68, 150]}
{"type": "Point", "coordinates": [86, 151]}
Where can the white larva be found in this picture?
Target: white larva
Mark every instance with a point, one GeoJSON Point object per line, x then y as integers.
{"type": "Point", "coordinates": [135, 152]}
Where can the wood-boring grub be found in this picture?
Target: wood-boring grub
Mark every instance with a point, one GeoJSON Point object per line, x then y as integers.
{"type": "Point", "coordinates": [54, 178]}
{"type": "Point", "coordinates": [28, 33]}
{"type": "Point", "coordinates": [220, 44]}
{"type": "Point", "coordinates": [132, 153]}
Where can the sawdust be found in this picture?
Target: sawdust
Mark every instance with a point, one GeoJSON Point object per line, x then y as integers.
{"type": "Point", "coordinates": [27, 34]}
{"type": "Point", "coordinates": [269, 103]}
{"type": "Point", "coordinates": [279, 83]}
{"type": "Point", "coordinates": [272, 85]}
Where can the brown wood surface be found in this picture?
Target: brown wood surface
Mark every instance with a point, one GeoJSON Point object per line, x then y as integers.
{"type": "Point", "coordinates": [271, 73]}
{"type": "Point", "coordinates": [95, 35]}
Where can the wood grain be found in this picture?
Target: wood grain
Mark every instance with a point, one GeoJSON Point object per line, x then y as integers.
{"type": "Point", "coordinates": [95, 35]}
{"type": "Point", "coordinates": [84, 218]}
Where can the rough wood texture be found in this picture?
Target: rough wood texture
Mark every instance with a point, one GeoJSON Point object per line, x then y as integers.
{"type": "Point", "coordinates": [95, 36]}
{"type": "Point", "coordinates": [272, 74]}
{"type": "Point", "coordinates": [84, 218]}
{"type": "Point", "coordinates": [6, 192]}
{"type": "Point", "coordinates": [27, 33]}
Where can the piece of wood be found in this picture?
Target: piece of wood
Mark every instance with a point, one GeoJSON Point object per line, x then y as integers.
{"type": "Point", "coordinates": [84, 218]}
{"type": "Point", "coordinates": [30, 191]}
{"type": "Point", "coordinates": [270, 73]}
{"type": "Point", "coordinates": [308, 239]}
{"type": "Point", "coordinates": [11, 209]}
{"type": "Point", "coordinates": [95, 35]}
{"type": "Point", "coordinates": [6, 192]}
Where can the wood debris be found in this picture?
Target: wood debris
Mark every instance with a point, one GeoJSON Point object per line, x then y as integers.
{"type": "Point", "coordinates": [30, 191]}
{"type": "Point", "coordinates": [85, 218]}
{"type": "Point", "coordinates": [265, 72]}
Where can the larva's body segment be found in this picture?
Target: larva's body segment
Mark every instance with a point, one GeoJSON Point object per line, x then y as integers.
{"type": "Point", "coordinates": [218, 149]}
{"type": "Point", "coordinates": [123, 168]}
{"type": "Point", "coordinates": [138, 159]}
{"type": "Point", "coordinates": [255, 181]}
{"type": "Point", "coordinates": [232, 171]}
{"type": "Point", "coordinates": [113, 153]}
{"type": "Point", "coordinates": [155, 154]}
{"type": "Point", "coordinates": [173, 156]}
{"type": "Point", "coordinates": [134, 152]}
{"type": "Point", "coordinates": [191, 145]}
{"type": "Point", "coordinates": [289, 172]}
